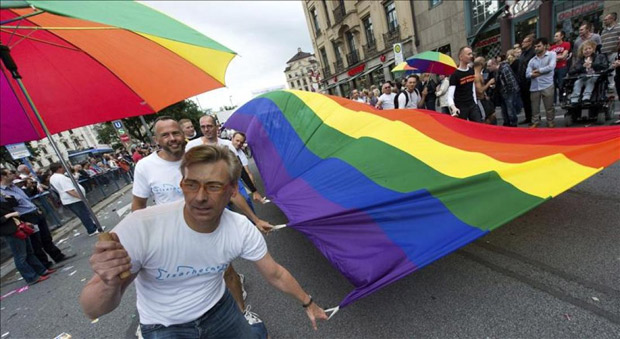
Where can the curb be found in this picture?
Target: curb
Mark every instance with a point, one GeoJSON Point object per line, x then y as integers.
{"type": "Point", "coordinates": [9, 266]}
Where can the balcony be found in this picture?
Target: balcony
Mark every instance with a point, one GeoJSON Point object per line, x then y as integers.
{"type": "Point", "coordinates": [326, 72]}
{"type": "Point", "coordinates": [391, 37]}
{"type": "Point", "coordinates": [370, 49]}
{"type": "Point", "coordinates": [353, 58]}
{"type": "Point", "coordinates": [339, 14]}
{"type": "Point", "coordinates": [338, 66]}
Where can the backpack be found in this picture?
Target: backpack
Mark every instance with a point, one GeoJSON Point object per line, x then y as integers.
{"type": "Point", "coordinates": [406, 97]}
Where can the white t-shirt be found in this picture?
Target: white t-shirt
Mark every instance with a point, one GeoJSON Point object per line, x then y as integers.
{"type": "Point", "coordinates": [241, 155]}
{"type": "Point", "coordinates": [220, 142]}
{"type": "Point", "coordinates": [158, 178]}
{"type": "Point", "coordinates": [387, 100]}
{"type": "Point", "coordinates": [63, 184]}
{"type": "Point", "coordinates": [413, 99]}
{"type": "Point", "coordinates": [180, 272]}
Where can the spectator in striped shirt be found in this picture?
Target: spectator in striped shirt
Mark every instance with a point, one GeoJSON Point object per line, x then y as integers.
{"type": "Point", "coordinates": [609, 37]}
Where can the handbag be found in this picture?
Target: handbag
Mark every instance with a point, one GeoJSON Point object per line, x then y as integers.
{"type": "Point", "coordinates": [24, 229]}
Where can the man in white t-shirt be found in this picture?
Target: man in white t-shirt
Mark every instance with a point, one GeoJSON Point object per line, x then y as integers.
{"type": "Point", "coordinates": [70, 197]}
{"type": "Point", "coordinates": [177, 254]}
{"type": "Point", "coordinates": [410, 97]}
{"type": "Point", "coordinates": [237, 141]}
{"type": "Point", "coordinates": [386, 100]}
{"type": "Point", "coordinates": [158, 175]}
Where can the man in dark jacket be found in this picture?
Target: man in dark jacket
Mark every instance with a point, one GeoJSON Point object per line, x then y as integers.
{"type": "Point", "coordinates": [524, 83]}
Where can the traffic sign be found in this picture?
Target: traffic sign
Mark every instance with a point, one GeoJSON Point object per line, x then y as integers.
{"type": "Point", "coordinates": [117, 124]}
{"type": "Point", "coordinates": [125, 138]}
{"type": "Point", "coordinates": [18, 151]}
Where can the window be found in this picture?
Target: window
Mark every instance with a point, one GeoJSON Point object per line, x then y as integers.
{"type": "Point", "coordinates": [307, 89]}
{"type": "Point", "coordinates": [66, 144]}
{"type": "Point", "coordinates": [70, 131]}
{"type": "Point", "coordinates": [305, 82]}
{"type": "Point", "coordinates": [370, 33]}
{"type": "Point", "coordinates": [298, 83]}
{"type": "Point", "coordinates": [390, 13]}
{"type": "Point", "coordinates": [326, 13]}
{"type": "Point", "coordinates": [292, 84]}
{"type": "Point", "coordinates": [315, 21]}
{"type": "Point", "coordinates": [40, 164]}
{"type": "Point", "coordinates": [289, 76]}
{"type": "Point", "coordinates": [337, 52]}
{"type": "Point", "coordinates": [351, 42]}
{"type": "Point", "coordinates": [324, 57]}
{"type": "Point", "coordinates": [435, 3]}
{"type": "Point", "coordinates": [481, 10]}
{"type": "Point", "coordinates": [44, 149]}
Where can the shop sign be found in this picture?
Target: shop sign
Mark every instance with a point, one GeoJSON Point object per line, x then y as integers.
{"type": "Point", "coordinates": [487, 41]}
{"type": "Point", "coordinates": [356, 69]}
{"type": "Point", "coordinates": [581, 9]}
{"type": "Point", "coordinates": [520, 7]}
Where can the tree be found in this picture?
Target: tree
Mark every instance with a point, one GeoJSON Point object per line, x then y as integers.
{"type": "Point", "coordinates": [5, 156]}
{"type": "Point", "coordinates": [183, 109]}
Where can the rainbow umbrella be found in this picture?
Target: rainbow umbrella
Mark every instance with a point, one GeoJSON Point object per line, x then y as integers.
{"type": "Point", "coordinates": [67, 64]}
{"type": "Point", "coordinates": [432, 62]}
{"type": "Point", "coordinates": [404, 68]}
{"type": "Point", "coordinates": [84, 62]}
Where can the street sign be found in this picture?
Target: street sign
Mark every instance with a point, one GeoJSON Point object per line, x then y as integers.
{"type": "Point", "coordinates": [398, 53]}
{"type": "Point", "coordinates": [117, 124]}
{"type": "Point", "coordinates": [18, 151]}
{"type": "Point", "coordinates": [125, 138]}
{"type": "Point", "coordinates": [121, 131]}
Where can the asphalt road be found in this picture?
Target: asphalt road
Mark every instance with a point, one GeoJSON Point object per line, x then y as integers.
{"type": "Point", "coordinates": [552, 273]}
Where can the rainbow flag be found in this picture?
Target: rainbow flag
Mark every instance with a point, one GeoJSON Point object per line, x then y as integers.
{"type": "Point", "coordinates": [384, 193]}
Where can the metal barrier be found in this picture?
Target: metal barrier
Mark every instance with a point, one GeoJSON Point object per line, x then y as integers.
{"type": "Point", "coordinates": [98, 188]}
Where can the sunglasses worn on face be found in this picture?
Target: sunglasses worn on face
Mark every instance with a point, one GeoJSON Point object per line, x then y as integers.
{"type": "Point", "coordinates": [210, 187]}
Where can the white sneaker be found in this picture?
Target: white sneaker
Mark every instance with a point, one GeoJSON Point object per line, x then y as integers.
{"type": "Point", "coordinates": [251, 317]}
{"type": "Point", "coordinates": [244, 294]}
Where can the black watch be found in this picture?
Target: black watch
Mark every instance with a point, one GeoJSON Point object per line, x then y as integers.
{"type": "Point", "coordinates": [309, 302]}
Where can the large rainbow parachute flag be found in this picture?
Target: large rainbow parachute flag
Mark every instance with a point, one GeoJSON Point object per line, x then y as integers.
{"type": "Point", "coordinates": [384, 193]}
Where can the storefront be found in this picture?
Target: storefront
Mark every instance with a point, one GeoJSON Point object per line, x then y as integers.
{"type": "Point", "coordinates": [488, 43]}
{"type": "Point", "coordinates": [569, 15]}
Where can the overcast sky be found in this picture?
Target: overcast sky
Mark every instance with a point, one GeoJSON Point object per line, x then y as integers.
{"type": "Point", "coordinates": [265, 34]}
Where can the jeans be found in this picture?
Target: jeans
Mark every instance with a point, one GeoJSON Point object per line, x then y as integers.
{"type": "Point", "coordinates": [471, 113]}
{"type": "Point", "coordinates": [42, 242]}
{"type": "Point", "coordinates": [509, 112]}
{"type": "Point", "coordinates": [25, 261]}
{"type": "Point", "coordinates": [558, 81]}
{"type": "Point", "coordinates": [81, 211]}
{"type": "Point", "coordinates": [546, 95]}
{"type": "Point", "coordinates": [526, 100]}
{"type": "Point", "coordinates": [587, 93]}
{"type": "Point", "coordinates": [224, 320]}
{"type": "Point", "coordinates": [445, 110]}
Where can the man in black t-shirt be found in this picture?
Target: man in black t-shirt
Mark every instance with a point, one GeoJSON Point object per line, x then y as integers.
{"type": "Point", "coordinates": [462, 93]}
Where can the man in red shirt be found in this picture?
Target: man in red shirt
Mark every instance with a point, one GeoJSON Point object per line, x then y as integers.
{"type": "Point", "coordinates": [136, 156]}
{"type": "Point", "coordinates": [561, 49]}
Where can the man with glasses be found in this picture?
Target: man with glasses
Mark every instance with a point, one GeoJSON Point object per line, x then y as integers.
{"type": "Point", "coordinates": [386, 100]}
{"type": "Point", "coordinates": [177, 254]}
{"type": "Point", "coordinates": [158, 176]}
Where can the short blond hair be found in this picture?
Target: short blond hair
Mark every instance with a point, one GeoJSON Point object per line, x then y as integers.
{"type": "Point", "coordinates": [208, 154]}
{"type": "Point", "coordinates": [583, 45]}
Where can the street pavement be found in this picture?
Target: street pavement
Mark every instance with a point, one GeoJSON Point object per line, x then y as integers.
{"type": "Point", "coordinates": [551, 273]}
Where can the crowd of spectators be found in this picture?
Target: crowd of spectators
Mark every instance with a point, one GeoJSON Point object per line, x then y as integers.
{"type": "Point", "coordinates": [530, 73]}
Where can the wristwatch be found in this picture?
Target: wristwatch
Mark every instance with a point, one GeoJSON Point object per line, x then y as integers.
{"type": "Point", "coordinates": [309, 302]}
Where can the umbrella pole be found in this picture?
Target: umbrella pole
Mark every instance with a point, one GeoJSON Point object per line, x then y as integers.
{"type": "Point", "coordinates": [9, 63]}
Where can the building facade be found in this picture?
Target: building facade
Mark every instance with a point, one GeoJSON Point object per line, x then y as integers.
{"type": "Point", "coordinates": [354, 39]}
{"type": "Point", "coordinates": [73, 139]}
{"type": "Point", "coordinates": [302, 72]}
